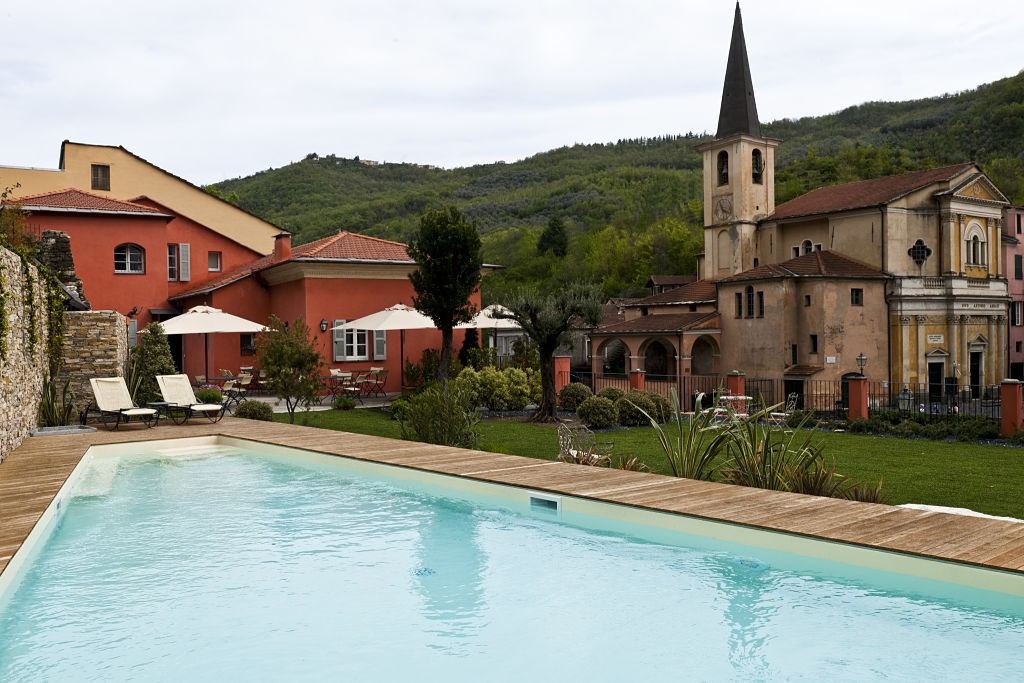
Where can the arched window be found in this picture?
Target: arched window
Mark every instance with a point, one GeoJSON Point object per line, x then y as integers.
{"type": "Point", "coordinates": [723, 168]}
{"type": "Point", "coordinates": [749, 293]}
{"type": "Point", "coordinates": [757, 167]}
{"type": "Point", "coordinates": [129, 258]}
{"type": "Point", "coordinates": [975, 252]}
{"type": "Point", "coordinates": [806, 247]}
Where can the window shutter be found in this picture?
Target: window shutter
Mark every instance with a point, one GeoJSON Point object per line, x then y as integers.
{"type": "Point", "coordinates": [184, 262]}
{"type": "Point", "coordinates": [380, 345]}
{"type": "Point", "coordinates": [338, 340]}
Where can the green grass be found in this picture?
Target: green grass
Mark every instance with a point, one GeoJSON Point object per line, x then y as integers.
{"type": "Point", "coordinates": [986, 478]}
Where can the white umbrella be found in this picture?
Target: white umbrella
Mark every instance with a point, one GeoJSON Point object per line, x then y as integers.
{"type": "Point", "coordinates": [487, 319]}
{"type": "Point", "coordinates": [397, 317]}
{"type": "Point", "coordinates": [207, 320]}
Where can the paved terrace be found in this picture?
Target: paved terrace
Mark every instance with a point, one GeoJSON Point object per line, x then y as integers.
{"type": "Point", "coordinates": [32, 475]}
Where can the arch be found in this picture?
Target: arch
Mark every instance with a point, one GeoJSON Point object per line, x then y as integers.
{"type": "Point", "coordinates": [129, 258]}
{"type": "Point", "coordinates": [806, 247]}
{"type": "Point", "coordinates": [975, 249]}
{"type": "Point", "coordinates": [704, 356]}
{"type": "Point", "coordinates": [757, 167]}
{"type": "Point", "coordinates": [748, 296]}
{"type": "Point", "coordinates": [723, 168]}
{"type": "Point", "coordinates": [614, 356]}
{"type": "Point", "coordinates": [724, 254]}
{"type": "Point", "coordinates": [659, 358]}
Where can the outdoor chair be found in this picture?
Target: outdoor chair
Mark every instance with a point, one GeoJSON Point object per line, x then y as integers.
{"type": "Point", "coordinates": [376, 380]}
{"type": "Point", "coordinates": [115, 404]}
{"type": "Point", "coordinates": [578, 446]}
{"type": "Point", "coordinates": [182, 403]}
{"type": "Point", "coordinates": [236, 390]}
{"type": "Point", "coordinates": [781, 419]}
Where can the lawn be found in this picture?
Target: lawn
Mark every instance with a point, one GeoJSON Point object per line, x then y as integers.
{"type": "Point", "coordinates": [986, 478]}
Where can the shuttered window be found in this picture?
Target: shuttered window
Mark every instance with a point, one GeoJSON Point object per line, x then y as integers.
{"type": "Point", "coordinates": [184, 262]}
{"type": "Point", "coordinates": [380, 345]}
{"type": "Point", "coordinates": [338, 340]}
{"type": "Point", "coordinates": [1018, 267]}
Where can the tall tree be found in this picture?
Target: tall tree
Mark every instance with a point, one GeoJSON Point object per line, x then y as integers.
{"type": "Point", "coordinates": [289, 362]}
{"type": "Point", "coordinates": [554, 238]}
{"type": "Point", "coordinates": [150, 357]}
{"type": "Point", "coordinates": [446, 249]}
{"type": "Point", "coordinates": [547, 318]}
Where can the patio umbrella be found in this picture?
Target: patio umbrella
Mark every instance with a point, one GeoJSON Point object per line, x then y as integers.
{"type": "Point", "coordinates": [206, 320]}
{"type": "Point", "coordinates": [398, 317]}
{"type": "Point", "coordinates": [486, 319]}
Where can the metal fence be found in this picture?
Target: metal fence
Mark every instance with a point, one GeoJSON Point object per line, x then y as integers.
{"type": "Point", "coordinates": [934, 399]}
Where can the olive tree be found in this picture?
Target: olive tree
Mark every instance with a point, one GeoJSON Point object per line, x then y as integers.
{"type": "Point", "coordinates": [289, 362]}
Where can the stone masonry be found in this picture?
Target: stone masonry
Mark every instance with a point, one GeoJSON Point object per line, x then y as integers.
{"type": "Point", "coordinates": [95, 345]}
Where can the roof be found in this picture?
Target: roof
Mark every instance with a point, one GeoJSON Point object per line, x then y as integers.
{"type": "Point", "coordinates": [694, 292]}
{"type": "Point", "coordinates": [815, 264]}
{"type": "Point", "coordinates": [72, 200]}
{"type": "Point", "coordinates": [343, 247]}
{"type": "Point", "coordinates": [669, 280]}
{"type": "Point", "coordinates": [803, 370]}
{"type": "Point", "coordinates": [739, 110]}
{"type": "Point", "coordinates": [611, 311]}
{"type": "Point", "coordinates": [675, 322]}
{"type": "Point", "coordinates": [865, 193]}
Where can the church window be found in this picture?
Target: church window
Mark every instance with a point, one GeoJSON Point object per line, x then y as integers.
{"type": "Point", "coordinates": [807, 247]}
{"type": "Point", "coordinates": [757, 167]}
{"type": "Point", "coordinates": [976, 246]}
{"type": "Point", "coordinates": [856, 297]}
{"type": "Point", "coordinates": [739, 305]}
{"type": "Point", "coordinates": [760, 304]}
{"type": "Point", "coordinates": [750, 302]}
{"type": "Point", "coordinates": [1017, 313]}
{"type": "Point", "coordinates": [723, 168]}
{"type": "Point", "coordinates": [919, 253]}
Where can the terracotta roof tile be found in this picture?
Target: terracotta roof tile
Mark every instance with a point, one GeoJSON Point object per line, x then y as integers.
{"type": "Point", "coordinates": [815, 264]}
{"type": "Point", "coordinates": [675, 322]}
{"type": "Point", "coordinates": [76, 200]}
{"type": "Point", "coordinates": [701, 290]}
{"type": "Point", "coordinates": [670, 280]}
{"type": "Point", "coordinates": [803, 370]}
{"type": "Point", "coordinates": [864, 193]}
{"type": "Point", "coordinates": [344, 247]}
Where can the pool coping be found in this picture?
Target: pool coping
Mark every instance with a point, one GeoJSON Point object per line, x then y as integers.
{"type": "Point", "coordinates": [32, 475]}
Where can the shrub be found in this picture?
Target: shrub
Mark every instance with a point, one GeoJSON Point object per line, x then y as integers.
{"type": "Point", "coordinates": [611, 393]}
{"type": "Point", "coordinates": [479, 358]}
{"type": "Point", "coordinates": [398, 408]}
{"type": "Point", "coordinates": [440, 415]}
{"type": "Point", "coordinates": [150, 357]}
{"type": "Point", "coordinates": [597, 412]}
{"type": "Point", "coordinates": [631, 408]}
{"type": "Point", "coordinates": [662, 407]}
{"type": "Point", "coordinates": [209, 395]}
{"type": "Point", "coordinates": [344, 403]}
{"type": "Point", "coordinates": [56, 405]}
{"type": "Point", "coordinates": [572, 395]}
{"type": "Point", "coordinates": [255, 410]}
{"type": "Point", "coordinates": [290, 363]}
{"type": "Point", "coordinates": [494, 390]}
{"type": "Point", "coordinates": [536, 385]}
{"type": "Point", "coordinates": [469, 382]}
{"type": "Point", "coordinates": [518, 388]}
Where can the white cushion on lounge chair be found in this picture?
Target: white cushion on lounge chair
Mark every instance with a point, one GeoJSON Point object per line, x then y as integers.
{"type": "Point", "coordinates": [139, 411]}
{"type": "Point", "coordinates": [207, 407]}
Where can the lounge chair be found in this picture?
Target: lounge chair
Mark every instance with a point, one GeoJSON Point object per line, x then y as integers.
{"type": "Point", "coordinates": [115, 404]}
{"type": "Point", "coordinates": [181, 400]}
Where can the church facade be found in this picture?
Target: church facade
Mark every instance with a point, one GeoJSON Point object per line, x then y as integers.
{"type": "Point", "coordinates": [903, 272]}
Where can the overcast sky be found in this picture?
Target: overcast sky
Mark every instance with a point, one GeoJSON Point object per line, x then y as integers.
{"type": "Point", "coordinates": [211, 89]}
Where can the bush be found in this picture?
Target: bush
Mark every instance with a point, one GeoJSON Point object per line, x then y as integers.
{"type": "Point", "coordinates": [209, 395]}
{"type": "Point", "coordinates": [663, 411]}
{"type": "Point", "coordinates": [479, 358]}
{"type": "Point", "coordinates": [630, 406]}
{"type": "Point", "coordinates": [440, 415]}
{"type": "Point", "coordinates": [597, 412]}
{"type": "Point", "coordinates": [518, 388]}
{"type": "Point", "coordinates": [572, 395]}
{"type": "Point", "coordinates": [494, 390]}
{"type": "Point", "coordinates": [398, 408]}
{"type": "Point", "coordinates": [150, 357]}
{"type": "Point", "coordinates": [255, 410]}
{"type": "Point", "coordinates": [611, 393]}
{"type": "Point", "coordinates": [536, 388]}
{"type": "Point", "coordinates": [344, 403]}
{"type": "Point", "coordinates": [469, 382]}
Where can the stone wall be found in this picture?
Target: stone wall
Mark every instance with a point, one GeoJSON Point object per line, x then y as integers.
{"type": "Point", "coordinates": [54, 253]}
{"type": "Point", "coordinates": [22, 354]}
{"type": "Point", "coordinates": [95, 345]}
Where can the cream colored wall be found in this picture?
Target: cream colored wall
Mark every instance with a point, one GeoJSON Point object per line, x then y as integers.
{"type": "Point", "coordinates": [756, 346]}
{"type": "Point", "coordinates": [130, 178]}
{"type": "Point", "coordinates": [844, 331]}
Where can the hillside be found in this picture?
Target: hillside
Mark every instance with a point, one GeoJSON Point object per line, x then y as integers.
{"type": "Point", "coordinates": [634, 206]}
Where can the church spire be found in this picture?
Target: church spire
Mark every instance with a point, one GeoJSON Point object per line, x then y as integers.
{"type": "Point", "coordinates": [739, 111]}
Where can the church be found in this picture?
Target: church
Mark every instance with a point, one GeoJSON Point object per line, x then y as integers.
{"type": "Point", "coordinates": [899, 277]}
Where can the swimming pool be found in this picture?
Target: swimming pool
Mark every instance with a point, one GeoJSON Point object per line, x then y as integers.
{"type": "Point", "coordinates": [221, 559]}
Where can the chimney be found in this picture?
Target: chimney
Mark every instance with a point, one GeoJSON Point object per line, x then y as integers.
{"type": "Point", "coordinates": [282, 246]}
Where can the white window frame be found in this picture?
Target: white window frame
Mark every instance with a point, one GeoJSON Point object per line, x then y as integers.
{"type": "Point", "coordinates": [356, 344]}
{"type": "Point", "coordinates": [220, 261]}
{"type": "Point", "coordinates": [129, 250]}
{"type": "Point", "coordinates": [184, 262]}
{"type": "Point", "coordinates": [976, 248]}
{"type": "Point", "coordinates": [1017, 313]}
{"type": "Point", "coordinates": [172, 262]}
{"type": "Point", "coordinates": [380, 345]}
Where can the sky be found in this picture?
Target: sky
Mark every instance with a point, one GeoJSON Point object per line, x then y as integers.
{"type": "Point", "coordinates": [214, 89]}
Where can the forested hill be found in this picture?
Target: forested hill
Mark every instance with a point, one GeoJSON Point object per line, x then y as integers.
{"type": "Point", "coordinates": [634, 206]}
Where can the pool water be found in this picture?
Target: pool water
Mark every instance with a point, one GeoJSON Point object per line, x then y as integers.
{"type": "Point", "coordinates": [224, 564]}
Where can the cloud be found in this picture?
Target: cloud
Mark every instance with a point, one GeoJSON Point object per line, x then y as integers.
{"type": "Point", "coordinates": [214, 90]}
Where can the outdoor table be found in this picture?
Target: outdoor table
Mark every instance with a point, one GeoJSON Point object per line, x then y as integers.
{"type": "Point", "coordinates": [162, 408]}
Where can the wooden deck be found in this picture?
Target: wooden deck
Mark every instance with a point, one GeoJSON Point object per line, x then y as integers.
{"type": "Point", "coordinates": [32, 475]}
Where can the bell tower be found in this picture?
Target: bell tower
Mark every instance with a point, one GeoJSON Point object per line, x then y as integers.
{"type": "Point", "coordinates": [739, 171]}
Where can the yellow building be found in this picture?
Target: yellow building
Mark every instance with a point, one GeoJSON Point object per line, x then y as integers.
{"type": "Point", "coordinates": [114, 171]}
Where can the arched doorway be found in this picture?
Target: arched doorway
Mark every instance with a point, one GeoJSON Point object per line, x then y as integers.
{"type": "Point", "coordinates": [614, 355]}
{"type": "Point", "coordinates": [704, 356]}
{"type": "Point", "coordinates": [659, 360]}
